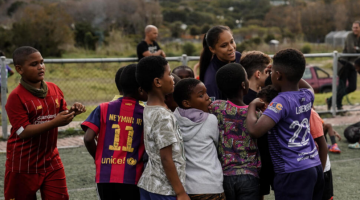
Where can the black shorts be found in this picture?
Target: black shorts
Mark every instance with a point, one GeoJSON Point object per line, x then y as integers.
{"type": "Point", "coordinates": [117, 191]}
{"type": "Point", "coordinates": [300, 185]}
{"type": "Point", "coordinates": [328, 189]}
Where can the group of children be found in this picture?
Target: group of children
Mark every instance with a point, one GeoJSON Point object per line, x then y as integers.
{"type": "Point", "coordinates": [181, 144]}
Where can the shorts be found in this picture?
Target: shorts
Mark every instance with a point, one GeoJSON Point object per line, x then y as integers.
{"type": "Point", "coordinates": [328, 189]}
{"type": "Point", "coordinates": [207, 196]}
{"type": "Point", "coordinates": [145, 195]}
{"type": "Point", "coordinates": [24, 186]}
{"type": "Point", "coordinates": [300, 185]}
{"type": "Point", "coordinates": [118, 191]}
{"type": "Point", "coordinates": [244, 187]}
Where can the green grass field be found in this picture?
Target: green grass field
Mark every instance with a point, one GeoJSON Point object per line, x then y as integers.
{"type": "Point", "coordinates": [80, 172]}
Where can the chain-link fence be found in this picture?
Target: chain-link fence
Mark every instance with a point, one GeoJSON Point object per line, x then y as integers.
{"type": "Point", "coordinates": [92, 81]}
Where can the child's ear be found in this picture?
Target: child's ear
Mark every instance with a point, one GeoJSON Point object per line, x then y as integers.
{"type": "Point", "coordinates": [186, 104]}
{"type": "Point", "coordinates": [278, 75]}
{"type": "Point", "coordinates": [19, 69]}
{"type": "Point", "coordinates": [243, 85]}
{"type": "Point", "coordinates": [257, 74]}
{"type": "Point", "coordinates": [157, 82]}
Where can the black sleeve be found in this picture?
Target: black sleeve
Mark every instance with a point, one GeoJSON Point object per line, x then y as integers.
{"type": "Point", "coordinates": [141, 48]}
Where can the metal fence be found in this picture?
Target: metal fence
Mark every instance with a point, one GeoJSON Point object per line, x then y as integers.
{"type": "Point", "coordinates": [91, 81]}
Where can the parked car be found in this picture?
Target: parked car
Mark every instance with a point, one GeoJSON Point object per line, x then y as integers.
{"type": "Point", "coordinates": [319, 79]}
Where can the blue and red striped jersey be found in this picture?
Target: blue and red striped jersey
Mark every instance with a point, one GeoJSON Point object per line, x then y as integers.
{"type": "Point", "coordinates": [120, 144]}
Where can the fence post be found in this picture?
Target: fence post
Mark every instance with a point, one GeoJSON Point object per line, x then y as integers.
{"type": "Point", "coordinates": [184, 59]}
{"type": "Point", "coordinates": [334, 84]}
{"type": "Point", "coordinates": [3, 97]}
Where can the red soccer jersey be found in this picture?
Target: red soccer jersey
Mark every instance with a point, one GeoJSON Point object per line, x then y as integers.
{"type": "Point", "coordinates": [37, 154]}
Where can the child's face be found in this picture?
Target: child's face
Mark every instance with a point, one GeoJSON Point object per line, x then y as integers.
{"type": "Point", "coordinates": [183, 73]}
{"type": "Point", "coordinates": [199, 99]}
{"type": "Point", "coordinates": [33, 69]}
{"type": "Point", "coordinates": [225, 47]}
{"type": "Point", "coordinates": [167, 81]}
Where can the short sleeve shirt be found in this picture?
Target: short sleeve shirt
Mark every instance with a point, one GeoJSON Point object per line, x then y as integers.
{"type": "Point", "coordinates": [291, 146]}
{"type": "Point", "coordinates": [237, 151]}
{"type": "Point", "coordinates": [160, 131]}
{"type": "Point", "coordinates": [120, 144]}
{"type": "Point", "coordinates": [143, 47]}
{"type": "Point", "coordinates": [37, 154]}
{"type": "Point", "coordinates": [316, 125]}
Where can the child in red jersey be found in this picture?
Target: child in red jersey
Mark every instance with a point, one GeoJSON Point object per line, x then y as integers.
{"type": "Point", "coordinates": [35, 109]}
{"type": "Point", "coordinates": [119, 150]}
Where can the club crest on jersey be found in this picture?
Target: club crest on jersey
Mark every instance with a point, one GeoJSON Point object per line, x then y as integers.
{"type": "Point", "coordinates": [131, 161]}
{"type": "Point", "coordinates": [57, 103]}
{"type": "Point", "coordinates": [276, 107]}
{"type": "Point", "coordinates": [39, 107]}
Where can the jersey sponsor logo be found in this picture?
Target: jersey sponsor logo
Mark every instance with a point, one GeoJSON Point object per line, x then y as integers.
{"type": "Point", "coordinates": [128, 104]}
{"type": "Point", "coordinates": [113, 161]}
{"type": "Point", "coordinates": [57, 103]}
{"type": "Point", "coordinates": [131, 161]}
{"type": "Point", "coordinates": [276, 107]}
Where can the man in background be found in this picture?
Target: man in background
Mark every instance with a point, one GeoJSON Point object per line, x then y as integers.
{"type": "Point", "coordinates": [149, 46]}
{"type": "Point", "coordinates": [346, 70]}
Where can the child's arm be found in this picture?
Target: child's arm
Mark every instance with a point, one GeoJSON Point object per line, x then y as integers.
{"type": "Point", "coordinates": [258, 127]}
{"type": "Point", "coordinates": [322, 150]}
{"type": "Point", "coordinates": [89, 140]}
{"type": "Point", "coordinates": [32, 130]}
{"type": "Point", "coordinates": [304, 84]}
{"type": "Point", "coordinates": [171, 173]}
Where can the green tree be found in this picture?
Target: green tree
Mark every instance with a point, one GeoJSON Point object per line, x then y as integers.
{"type": "Point", "coordinates": [189, 49]}
{"type": "Point", "coordinates": [194, 30]}
{"type": "Point", "coordinates": [85, 36]}
{"type": "Point", "coordinates": [44, 27]}
{"type": "Point", "coordinates": [176, 29]}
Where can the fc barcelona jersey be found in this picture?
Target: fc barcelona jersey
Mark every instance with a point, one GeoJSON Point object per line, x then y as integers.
{"type": "Point", "coordinates": [120, 144]}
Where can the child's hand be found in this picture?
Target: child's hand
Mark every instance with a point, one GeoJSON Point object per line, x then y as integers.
{"type": "Point", "coordinates": [78, 108]}
{"type": "Point", "coordinates": [182, 196]}
{"type": "Point", "coordinates": [337, 135]}
{"type": "Point", "coordinates": [63, 118]}
{"type": "Point", "coordinates": [259, 104]}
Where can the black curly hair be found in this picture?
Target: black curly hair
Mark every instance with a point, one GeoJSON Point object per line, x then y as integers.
{"type": "Point", "coordinates": [229, 79]}
{"type": "Point", "coordinates": [117, 79]}
{"type": "Point", "coordinates": [128, 81]}
{"type": "Point", "coordinates": [184, 67]}
{"type": "Point", "coordinates": [267, 93]}
{"type": "Point", "coordinates": [148, 69]}
{"type": "Point", "coordinates": [291, 63]}
{"type": "Point", "coordinates": [183, 90]}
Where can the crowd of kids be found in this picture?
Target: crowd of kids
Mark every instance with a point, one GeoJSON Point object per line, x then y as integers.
{"type": "Point", "coordinates": [164, 138]}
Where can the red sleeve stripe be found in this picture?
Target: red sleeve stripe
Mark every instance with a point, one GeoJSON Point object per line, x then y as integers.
{"type": "Point", "coordinates": [90, 125]}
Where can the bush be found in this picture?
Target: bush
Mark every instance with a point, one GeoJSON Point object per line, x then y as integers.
{"type": "Point", "coordinates": [189, 49]}
{"type": "Point", "coordinates": [45, 28]}
{"type": "Point", "coordinates": [306, 49]}
{"type": "Point", "coordinates": [176, 29]}
{"type": "Point", "coordinates": [194, 30]}
{"type": "Point", "coordinates": [256, 40]}
{"type": "Point", "coordinates": [205, 28]}
{"type": "Point", "coordinates": [269, 37]}
{"type": "Point", "coordinates": [85, 36]}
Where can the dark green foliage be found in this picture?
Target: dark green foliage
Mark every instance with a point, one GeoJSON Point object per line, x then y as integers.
{"type": "Point", "coordinates": [85, 36]}
{"type": "Point", "coordinates": [176, 29]}
{"type": "Point", "coordinates": [205, 28]}
{"type": "Point", "coordinates": [269, 37]}
{"type": "Point", "coordinates": [194, 30]}
{"type": "Point", "coordinates": [14, 7]}
{"type": "Point", "coordinates": [306, 49]}
{"type": "Point", "coordinates": [189, 49]}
